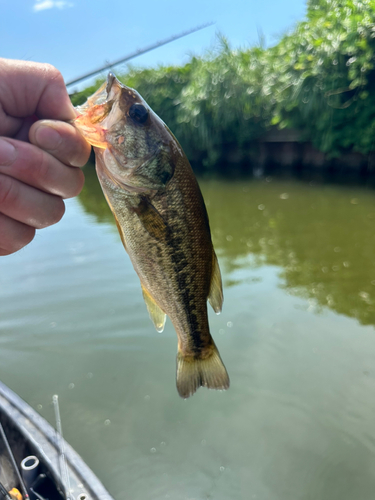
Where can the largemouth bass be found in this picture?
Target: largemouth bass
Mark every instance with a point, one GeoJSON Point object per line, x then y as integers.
{"type": "Point", "coordinates": [163, 224]}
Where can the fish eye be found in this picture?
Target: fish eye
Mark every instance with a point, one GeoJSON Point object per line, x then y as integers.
{"type": "Point", "coordinates": [138, 113]}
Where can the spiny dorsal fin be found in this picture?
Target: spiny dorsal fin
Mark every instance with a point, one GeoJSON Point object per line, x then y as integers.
{"type": "Point", "coordinates": [215, 296]}
{"type": "Point", "coordinates": [193, 373]}
{"type": "Point", "coordinates": [156, 314]}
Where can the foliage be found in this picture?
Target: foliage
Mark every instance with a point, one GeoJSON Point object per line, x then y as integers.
{"type": "Point", "coordinates": [323, 73]}
{"type": "Point", "coordinates": [317, 79]}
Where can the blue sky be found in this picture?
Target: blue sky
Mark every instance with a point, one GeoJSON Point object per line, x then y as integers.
{"type": "Point", "coordinates": [79, 35]}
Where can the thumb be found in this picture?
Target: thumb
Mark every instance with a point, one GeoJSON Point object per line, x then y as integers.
{"type": "Point", "coordinates": [27, 89]}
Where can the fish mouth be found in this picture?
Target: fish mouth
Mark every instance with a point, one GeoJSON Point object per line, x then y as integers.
{"type": "Point", "coordinates": [106, 92]}
{"type": "Point", "coordinates": [99, 97]}
{"type": "Point", "coordinates": [92, 115]}
{"type": "Point", "coordinates": [110, 81]}
{"type": "Point", "coordinates": [113, 86]}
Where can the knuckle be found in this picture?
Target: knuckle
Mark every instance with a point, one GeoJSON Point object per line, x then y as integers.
{"type": "Point", "coordinates": [9, 192]}
{"type": "Point", "coordinates": [52, 72]}
{"type": "Point", "coordinates": [41, 170]}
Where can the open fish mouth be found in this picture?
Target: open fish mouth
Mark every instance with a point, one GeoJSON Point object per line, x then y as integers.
{"type": "Point", "coordinates": [91, 118]}
{"type": "Point", "coordinates": [110, 81]}
{"type": "Point", "coordinates": [101, 96]}
{"type": "Point", "coordinates": [98, 120]}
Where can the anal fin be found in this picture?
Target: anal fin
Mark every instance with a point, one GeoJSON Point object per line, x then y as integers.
{"type": "Point", "coordinates": [157, 316]}
{"type": "Point", "coordinates": [216, 296]}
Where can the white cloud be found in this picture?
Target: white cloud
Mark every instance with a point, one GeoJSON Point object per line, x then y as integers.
{"type": "Point", "coordinates": [50, 4]}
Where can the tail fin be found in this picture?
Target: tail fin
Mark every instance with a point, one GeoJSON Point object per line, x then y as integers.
{"type": "Point", "coordinates": [193, 373]}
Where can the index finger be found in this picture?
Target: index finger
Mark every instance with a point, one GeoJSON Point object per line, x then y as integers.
{"type": "Point", "coordinates": [28, 88]}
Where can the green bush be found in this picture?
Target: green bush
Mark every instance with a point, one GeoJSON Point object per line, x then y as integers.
{"type": "Point", "coordinates": [317, 79]}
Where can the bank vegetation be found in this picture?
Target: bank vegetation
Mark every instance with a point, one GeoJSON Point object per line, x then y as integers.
{"type": "Point", "coordinates": [318, 79]}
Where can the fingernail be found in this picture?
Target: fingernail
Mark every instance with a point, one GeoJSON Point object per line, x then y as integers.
{"type": "Point", "coordinates": [8, 152]}
{"type": "Point", "coordinates": [47, 137]}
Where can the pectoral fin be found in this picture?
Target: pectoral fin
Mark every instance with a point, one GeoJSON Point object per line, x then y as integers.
{"type": "Point", "coordinates": [152, 221]}
{"type": "Point", "coordinates": [215, 296]}
{"type": "Point", "coordinates": [156, 314]}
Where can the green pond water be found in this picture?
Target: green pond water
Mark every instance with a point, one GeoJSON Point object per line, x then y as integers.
{"type": "Point", "coordinates": [296, 334]}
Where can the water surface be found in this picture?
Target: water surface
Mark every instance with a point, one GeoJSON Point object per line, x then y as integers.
{"type": "Point", "coordinates": [296, 334]}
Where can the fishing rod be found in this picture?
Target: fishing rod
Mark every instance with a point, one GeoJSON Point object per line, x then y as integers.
{"type": "Point", "coordinates": [139, 52]}
{"type": "Point", "coordinates": [11, 456]}
{"type": "Point", "coordinates": [64, 473]}
{"type": "Point", "coordinates": [3, 493]}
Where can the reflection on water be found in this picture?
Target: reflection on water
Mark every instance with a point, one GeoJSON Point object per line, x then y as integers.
{"type": "Point", "coordinates": [321, 235]}
{"type": "Point", "coordinates": [295, 334]}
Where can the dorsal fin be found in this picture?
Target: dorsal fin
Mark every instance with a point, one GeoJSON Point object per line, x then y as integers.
{"type": "Point", "coordinates": [215, 296]}
{"type": "Point", "coordinates": [156, 314]}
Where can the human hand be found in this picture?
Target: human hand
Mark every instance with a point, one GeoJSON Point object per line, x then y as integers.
{"type": "Point", "coordinates": [39, 151]}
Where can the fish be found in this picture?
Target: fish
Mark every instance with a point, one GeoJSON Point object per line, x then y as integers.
{"type": "Point", "coordinates": [162, 220]}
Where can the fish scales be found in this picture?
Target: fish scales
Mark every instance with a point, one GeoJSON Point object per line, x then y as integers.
{"type": "Point", "coordinates": [174, 267]}
{"type": "Point", "coordinates": [160, 213]}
